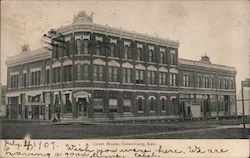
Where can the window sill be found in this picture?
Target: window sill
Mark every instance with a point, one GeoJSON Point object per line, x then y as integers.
{"type": "Point", "coordinates": [127, 83]}
{"type": "Point", "coordinates": [152, 85]}
{"type": "Point", "coordinates": [114, 82]}
{"type": "Point", "coordinates": [100, 56]}
{"type": "Point", "coordinates": [99, 81]}
{"type": "Point", "coordinates": [111, 57]}
{"type": "Point", "coordinates": [82, 81]}
{"type": "Point", "coordinates": [124, 59]}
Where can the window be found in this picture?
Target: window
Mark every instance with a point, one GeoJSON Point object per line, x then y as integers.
{"type": "Point", "coordinates": [67, 73]}
{"type": "Point", "coordinates": [14, 81]}
{"type": "Point", "coordinates": [226, 86]}
{"type": "Point", "coordinates": [113, 74]}
{"type": "Point", "coordinates": [206, 82]}
{"type": "Point", "coordinates": [221, 83]}
{"type": "Point", "coordinates": [35, 77]}
{"type": "Point", "coordinates": [127, 102]}
{"type": "Point", "coordinates": [24, 79]}
{"type": "Point", "coordinates": [48, 76]}
{"type": "Point", "coordinates": [140, 54]}
{"type": "Point", "coordinates": [152, 104]}
{"type": "Point", "coordinates": [67, 49]}
{"type": "Point", "coordinates": [140, 104]}
{"type": "Point", "coordinates": [85, 72]}
{"type": "Point", "coordinates": [172, 57]}
{"type": "Point", "coordinates": [82, 72]}
{"type": "Point", "coordinates": [173, 79]}
{"type": "Point", "coordinates": [163, 104]}
{"type": "Point", "coordinates": [113, 106]}
{"type": "Point", "coordinates": [127, 75]}
{"type": "Point", "coordinates": [186, 80]}
{"type": "Point", "coordinates": [98, 48]}
{"type": "Point", "coordinates": [162, 78]}
{"type": "Point", "coordinates": [98, 102]}
{"type": "Point", "coordinates": [127, 52]}
{"type": "Point", "coordinates": [113, 51]}
{"type": "Point", "coordinates": [98, 72]}
{"type": "Point", "coordinates": [162, 57]}
{"type": "Point", "coordinates": [232, 84]}
{"type": "Point", "coordinates": [151, 77]}
{"type": "Point", "coordinates": [213, 82]}
{"type": "Point", "coordinates": [85, 47]}
{"type": "Point", "coordinates": [140, 76]}
{"type": "Point", "coordinates": [151, 55]}
{"type": "Point", "coordinates": [78, 46]}
{"type": "Point", "coordinates": [56, 74]}
{"type": "Point", "coordinates": [200, 81]}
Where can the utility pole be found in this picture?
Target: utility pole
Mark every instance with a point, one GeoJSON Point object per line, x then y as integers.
{"type": "Point", "coordinates": [243, 107]}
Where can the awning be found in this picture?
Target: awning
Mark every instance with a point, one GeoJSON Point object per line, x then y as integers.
{"type": "Point", "coordinates": [82, 94]}
{"type": "Point", "coordinates": [64, 96]}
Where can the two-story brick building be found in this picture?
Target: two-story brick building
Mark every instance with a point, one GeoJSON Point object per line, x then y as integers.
{"type": "Point", "coordinates": [95, 71]}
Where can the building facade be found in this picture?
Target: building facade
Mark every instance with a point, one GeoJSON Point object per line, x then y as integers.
{"type": "Point", "coordinates": [95, 71]}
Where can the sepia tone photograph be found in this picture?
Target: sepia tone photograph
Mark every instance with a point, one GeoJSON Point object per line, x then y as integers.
{"type": "Point", "coordinates": [125, 70]}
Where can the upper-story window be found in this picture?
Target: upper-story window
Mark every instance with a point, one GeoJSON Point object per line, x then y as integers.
{"type": "Point", "coordinates": [113, 48]}
{"type": "Point", "coordinates": [152, 104]}
{"type": "Point", "coordinates": [85, 46]}
{"type": "Point", "coordinates": [226, 85]}
{"type": "Point", "coordinates": [67, 48]}
{"type": "Point", "coordinates": [98, 72]}
{"type": "Point", "coordinates": [162, 78]}
{"type": "Point", "coordinates": [47, 76]}
{"type": "Point", "coordinates": [213, 82]}
{"type": "Point", "coordinates": [163, 56]}
{"type": "Point", "coordinates": [127, 50]}
{"type": "Point", "coordinates": [232, 84]}
{"type": "Point", "coordinates": [140, 76]}
{"type": "Point", "coordinates": [186, 81]}
{"type": "Point", "coordinates": [113, 74]}
{"type": "Point", "coordinates": [82, 72]}
{"type": "Point", "coordinates": [140, 55]}
{"type": "Point", "coordinates": [200, 82]}
{"type": "Point", "coordinates": [14, 80]}
{"type": "Point", "coordinates": [78, 46]}
{"type": "Point", "coordinates": [206, 82]}
{"type": "Point", "coordinates": [221, 83]}
{"type": "Point", "coordinates": [151, 54]}
{"type": "Point", "coordinates": [56, 74]}
{"type": "Point", "coordinates": [173, 79]}
{"type": "Point", "coordinates": [24, 79]}
{"type": "Point", "coordinates": [35, 77]}
{"type": "Point", "coordinates": [172, 57]}
{"type": "Point", "coordinates": [151, 77]}
{"type": "Point", "coordinates": [67, 73]}
{"type": "Point", "coordinates": [127, 75]}
{"type": "Point", "coordinates": [99, 40]}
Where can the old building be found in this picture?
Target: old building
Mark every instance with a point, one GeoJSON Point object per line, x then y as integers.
{"type": "Point", "coordinates": [95, 71]}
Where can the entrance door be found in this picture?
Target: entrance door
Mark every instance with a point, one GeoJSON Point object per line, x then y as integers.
{"type": "Point", "coordinates": [35, 112]}
{"type": "Point", "coordinates": [82, 107]}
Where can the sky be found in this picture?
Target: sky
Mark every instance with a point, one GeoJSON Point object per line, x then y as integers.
{"type": "Point", "coordinates": [219, 29]}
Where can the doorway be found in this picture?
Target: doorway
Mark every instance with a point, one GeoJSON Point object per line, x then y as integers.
{"type": "Point", "coordinates": [82, 107]}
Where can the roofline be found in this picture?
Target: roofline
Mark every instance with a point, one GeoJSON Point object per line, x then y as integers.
{"type": "Point", "coordinates": [105, 29]}
{"type": "Point", "coordinates": [225, 66]}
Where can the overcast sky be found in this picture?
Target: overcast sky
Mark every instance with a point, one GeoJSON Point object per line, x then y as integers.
{"type": "Point", "coordinates": [219, 29]}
